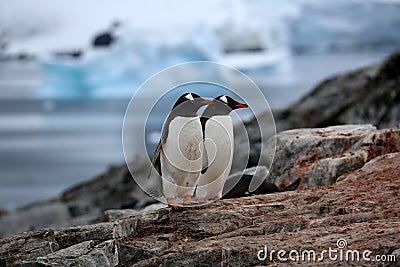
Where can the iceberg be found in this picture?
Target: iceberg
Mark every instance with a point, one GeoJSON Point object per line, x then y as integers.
{"type": "Point", "coordinates": [118, 70]}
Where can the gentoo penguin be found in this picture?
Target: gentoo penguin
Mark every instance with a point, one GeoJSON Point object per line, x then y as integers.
{"type": "Point", "coordinates": [219, 142]}
{"type": "Point", "coordinates": [179, 154]}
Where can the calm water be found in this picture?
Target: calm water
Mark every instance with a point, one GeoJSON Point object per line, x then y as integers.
{"type": "Point", "coordinates": [47, 146]}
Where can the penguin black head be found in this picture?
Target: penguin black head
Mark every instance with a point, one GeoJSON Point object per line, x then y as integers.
{"type": "Point", "coordinates": [191, 101]}
{"type": "Point", "coordinates": [230, 102]}
{"type": "Point", "coordinates": [222, 105]}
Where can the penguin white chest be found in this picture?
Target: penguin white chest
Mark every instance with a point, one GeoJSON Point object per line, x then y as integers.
{"type": "Point", "coordinates": [219, 144]}
{"type": "Point", "coordinates": [183, 146]}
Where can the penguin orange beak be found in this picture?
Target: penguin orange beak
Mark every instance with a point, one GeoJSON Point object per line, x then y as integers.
{"type": "Point", "coordinates": [240, 105]}
{"type": "Point", "coordinates": [206, 102]}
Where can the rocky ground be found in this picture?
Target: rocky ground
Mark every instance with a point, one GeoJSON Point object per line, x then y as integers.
{"type": "Point", "coordinates": [350, 190]}
{"type": "Point", "coordinates": [349, 185]}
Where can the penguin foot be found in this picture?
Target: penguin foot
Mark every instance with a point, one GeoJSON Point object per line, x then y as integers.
{"type": "Point", "coordinates": [187, 200]}
{"type": "Point", "coordinates": [217, 198]}
{"type": "Point", "coordinates": [173, 204]}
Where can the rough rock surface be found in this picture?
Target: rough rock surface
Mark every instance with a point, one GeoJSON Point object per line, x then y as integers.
{"type": "Point", "coordinates": [358, 165]}
{"type": "Point", "coordinates": [27, 246]}
{"type": "Point", "coordinates": [320, 156]}
{"type": "Point", "coordinates": [87, 253]}
{"type": "Point", "coordinates": [362, 208]}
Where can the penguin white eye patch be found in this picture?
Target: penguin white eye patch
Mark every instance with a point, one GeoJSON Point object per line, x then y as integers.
{"type": "Point", "coordinates": [189, 97]}
{"type": "Point", "coordinates": [224, 99]}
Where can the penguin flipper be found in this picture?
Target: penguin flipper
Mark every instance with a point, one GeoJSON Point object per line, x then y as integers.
{"type": "Point", "coordinates": [204, 160]}
{"type": "Point", "coordinates": [204, 166]}
{"type": "Point", "coordinates": [155, 161]}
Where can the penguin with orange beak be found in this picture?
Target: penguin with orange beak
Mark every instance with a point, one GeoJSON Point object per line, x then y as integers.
{"type": "Point", "coordinates": [217, 128]}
